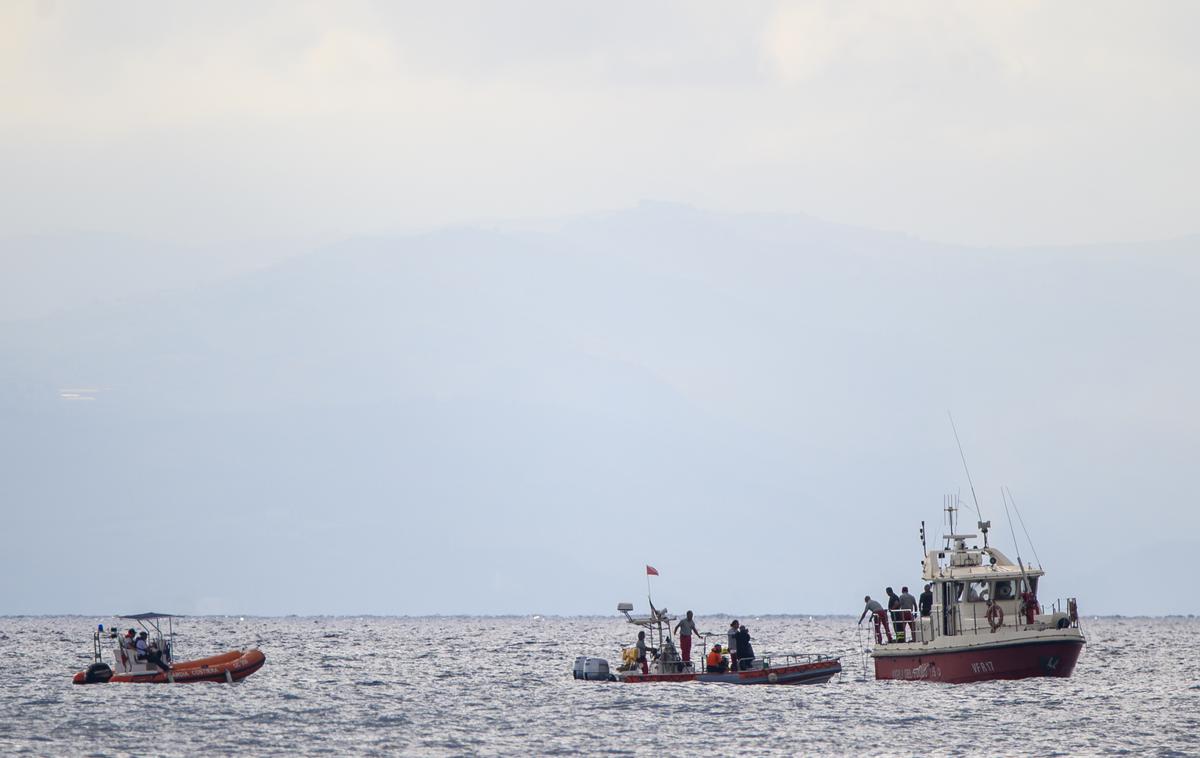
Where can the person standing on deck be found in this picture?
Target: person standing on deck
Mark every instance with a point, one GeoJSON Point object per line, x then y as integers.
{"type": "Point", "coordinates": [642, 650]}
{"type": "Point", "coordinates": [908, 605]}
{"type": "Point", "coordinates": [880, 617]}
{"type": "Point", "coordinates": [1029, 606]}
{"type": "Point", "coordinates": [745, 652]}
{"type": "Point", "coordinates": [686, 628]}
{"type": "Point", "coordinates": [732, 636]}
{"type": "Point", "coordinates": [927, 601]}
{"type": "Point", "coordinates": [894, 611]}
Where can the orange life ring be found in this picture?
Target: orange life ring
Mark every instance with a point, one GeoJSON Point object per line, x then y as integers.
{"type": "Point", "coordinates": [995, 616]}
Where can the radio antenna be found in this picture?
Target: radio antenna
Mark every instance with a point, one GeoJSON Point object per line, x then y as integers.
{"type": "Point", "coordinates": [1027, 539]}
{"type": "Point", "coordinates": [1007, 515]}
{"type": "Point", "coordinates": [964, 462]}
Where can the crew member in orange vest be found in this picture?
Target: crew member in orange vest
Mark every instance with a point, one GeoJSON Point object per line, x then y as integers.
{"type": "Point", "coordinates": [717, 663]}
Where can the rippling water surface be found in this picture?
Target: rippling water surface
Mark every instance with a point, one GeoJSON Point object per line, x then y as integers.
{"type": "Point", "coordinates": [376, 686]}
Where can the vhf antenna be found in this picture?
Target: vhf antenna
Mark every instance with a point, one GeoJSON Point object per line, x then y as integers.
{"type": "Point", "coordinates": [964, 462]}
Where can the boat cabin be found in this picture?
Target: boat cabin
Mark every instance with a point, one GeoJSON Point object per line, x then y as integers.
{"type": "Point", "coordinates": [978, 589]}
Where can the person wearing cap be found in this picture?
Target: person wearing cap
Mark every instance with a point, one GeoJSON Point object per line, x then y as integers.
{"type": "Point", "coordinates": [141, 646]}
{"type": "Point", "coordinates": [879, 615]}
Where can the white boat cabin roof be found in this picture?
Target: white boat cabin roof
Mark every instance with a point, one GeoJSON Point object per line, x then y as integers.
{"type": "Point", "coordinates": [967, 564]}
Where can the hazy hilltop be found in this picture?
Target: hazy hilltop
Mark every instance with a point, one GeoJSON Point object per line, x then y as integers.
{"type": "Point", "coordinates": [754, 404]}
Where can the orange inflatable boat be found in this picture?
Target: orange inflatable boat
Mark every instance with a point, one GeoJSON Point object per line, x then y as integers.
{"type": "Point", "coordinates": [147, 657]}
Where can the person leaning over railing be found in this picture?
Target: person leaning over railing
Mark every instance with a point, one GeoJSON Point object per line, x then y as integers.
{"type": "Point", "coordinates": [879, 615]}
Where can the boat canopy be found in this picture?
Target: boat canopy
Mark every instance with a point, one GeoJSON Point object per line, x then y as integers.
{"type": "Point", "coordinates": [148, 616]}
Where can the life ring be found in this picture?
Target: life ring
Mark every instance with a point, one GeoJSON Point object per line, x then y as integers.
{"type": "Point", "coordinates": [995, 616]}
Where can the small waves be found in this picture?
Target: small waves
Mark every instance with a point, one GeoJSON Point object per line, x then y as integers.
{"type": "Point", "coordinates": [387, 686]}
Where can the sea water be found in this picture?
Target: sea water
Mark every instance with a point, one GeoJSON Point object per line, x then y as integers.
{"type": "Point", "coordinates": [461, 685]}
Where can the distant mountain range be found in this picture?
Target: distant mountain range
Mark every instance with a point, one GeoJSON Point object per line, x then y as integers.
{"type": "Point", "coordinates": [588, 394]}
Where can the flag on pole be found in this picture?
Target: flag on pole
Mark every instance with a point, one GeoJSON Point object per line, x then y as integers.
{"type": "Point", "coordinates": [651, 571]}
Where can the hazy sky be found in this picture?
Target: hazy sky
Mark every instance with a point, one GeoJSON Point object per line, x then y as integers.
{"type": "Point", "coordinates": [1004, 122]}
{"type": "Point", "coordinates": [228, 331]}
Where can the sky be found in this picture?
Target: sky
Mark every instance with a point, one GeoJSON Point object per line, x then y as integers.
{"type": "Point", "coordinates": [1009, 123]}
{"type": "Point", "coordinates": [480, 307]}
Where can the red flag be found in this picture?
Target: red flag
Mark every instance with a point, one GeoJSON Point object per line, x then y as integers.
{"type": "Point", "coordinates": [651, 571]}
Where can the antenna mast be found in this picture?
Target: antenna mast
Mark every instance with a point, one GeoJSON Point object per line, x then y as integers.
{"type": "Point", "coordinates": [964, 463]}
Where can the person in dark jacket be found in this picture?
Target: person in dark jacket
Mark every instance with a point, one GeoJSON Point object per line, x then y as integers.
{"type": "Point", "coordinates": [894, 611]}
{"type": "Point", "coordinates": [745, 652]}
{"type": "Point", "coordinates": [927, 601]}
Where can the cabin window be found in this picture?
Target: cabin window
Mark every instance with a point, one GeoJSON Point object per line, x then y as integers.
{"type": "Point", "coordinates": [1004, 590]}
{"type": "Point", "coordinates": [977, 592]}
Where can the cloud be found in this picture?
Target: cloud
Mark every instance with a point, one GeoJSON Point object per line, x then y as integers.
{"type": "Point", "coordinates": [1020, 122]}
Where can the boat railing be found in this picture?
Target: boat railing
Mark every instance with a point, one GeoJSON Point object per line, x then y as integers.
{"type": "Point", "coordinates": [793, 659]}
{"type": "Point", "coordinates": [911, 625]}
{"type": "Point", "coordinates": [970, 618]}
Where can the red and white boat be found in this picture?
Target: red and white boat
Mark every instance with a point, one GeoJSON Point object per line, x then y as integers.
{"type": "Point", "coordinates": [985, 621]}
{"type": "Point", "coordinates": [157, 664]}
{"type": "Point", "coordinates": [667, 666]}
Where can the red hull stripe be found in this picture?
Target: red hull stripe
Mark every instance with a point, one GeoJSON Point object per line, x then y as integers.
{"type": "Point", "coordinates": [807, 673]}
{"type": "Point", "coordinates": [1009, 661]}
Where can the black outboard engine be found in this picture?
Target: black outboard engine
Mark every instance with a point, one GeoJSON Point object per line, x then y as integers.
{"type": "Point", "coordinates": [97, 673]}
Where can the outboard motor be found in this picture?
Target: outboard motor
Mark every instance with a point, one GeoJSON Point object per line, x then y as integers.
{"type": "Point", "coordinates": [97, 673]}
{"type": "Point", "coordinates": [592, 669]}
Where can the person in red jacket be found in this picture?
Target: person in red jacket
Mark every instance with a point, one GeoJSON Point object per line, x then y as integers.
{"type": "Point", "coordinates": [1029, 604]}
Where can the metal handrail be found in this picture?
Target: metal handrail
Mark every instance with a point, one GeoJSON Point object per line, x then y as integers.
{"type": "Point", "coordinates": [792, 659]}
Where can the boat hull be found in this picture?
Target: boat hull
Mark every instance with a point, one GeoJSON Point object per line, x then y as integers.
{"type": "Point", "coordinates": [803, 673]}
{"type": "Point", "coordinates": [1016, 659]}
{"type": "Point", "coordinates": [232, 666]}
